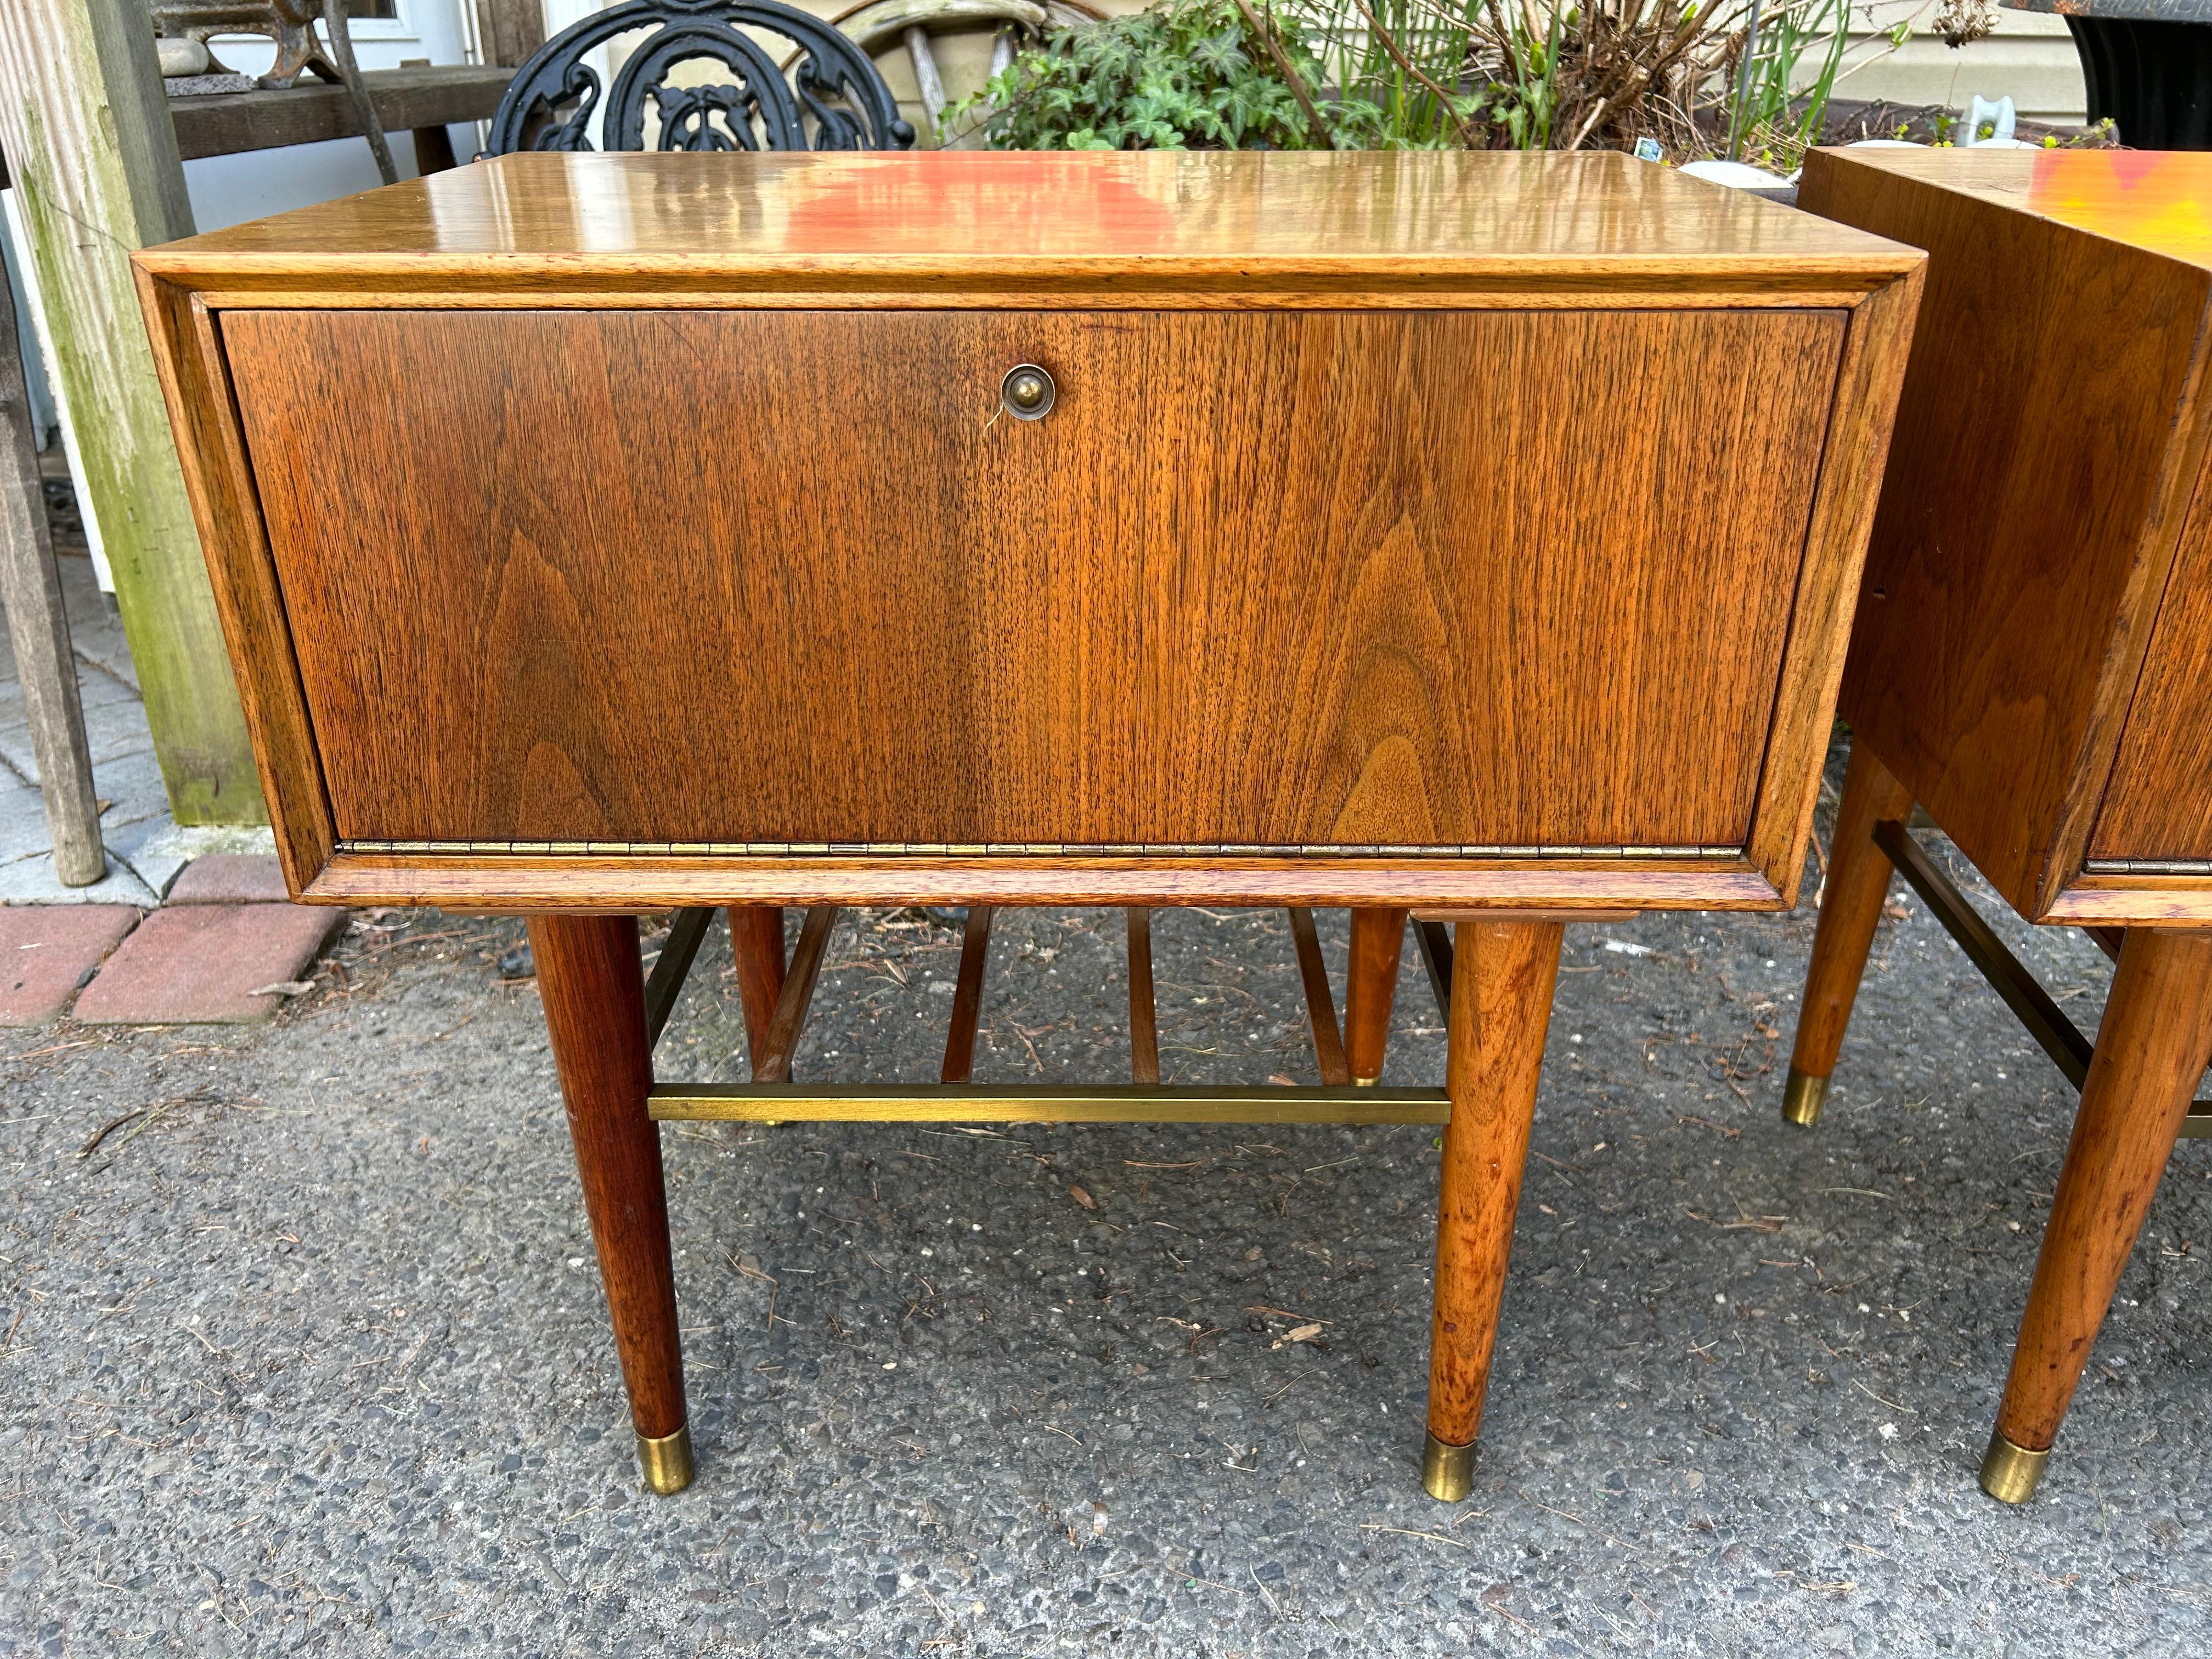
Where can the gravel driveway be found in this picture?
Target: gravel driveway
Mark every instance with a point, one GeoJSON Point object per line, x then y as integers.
{"type": "Point", "coordinates": [305, 1349]}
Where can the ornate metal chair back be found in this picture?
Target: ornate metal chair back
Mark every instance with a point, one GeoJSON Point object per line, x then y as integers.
{"type": "Point", "coordinates": [834, 99]}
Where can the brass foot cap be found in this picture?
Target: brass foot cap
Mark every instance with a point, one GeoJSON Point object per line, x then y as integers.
{"type": "Point", "coordinates": [1448, 1471]}
{"type": "Point", "coordinates": [666, 1462]}
{"type": "Point", "coordinates": [1802, 1098]}
{"type": "Point", "coordinates": [2009, 1473]}
{"type": "Point", "coordinates": [1365, 1082]}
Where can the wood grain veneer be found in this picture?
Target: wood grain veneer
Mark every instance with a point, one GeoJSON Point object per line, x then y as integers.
{"type": "Point", "coordinates": [2148, 199]}
{"type": "Point", "coordinates": [2136, 901]}
{"type": "Point", "coordinates": [1274, 579]}
{"type": "Point", "coordinates": [226, 506]}
{"type": "Point", "coordinates": [1415, 505]}
{"type": "Point", "coordinates": [587, 882]}
{"type": "Point", "coordinates": [1857, 442]}
{"type": "Point", "coordinates": [1471, 532]}
{"type": "Point", "coordinates": [2159, 802]}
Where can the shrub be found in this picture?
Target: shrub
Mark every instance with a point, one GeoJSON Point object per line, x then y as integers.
{"type": "Point", "coordinates": [1186, 75]}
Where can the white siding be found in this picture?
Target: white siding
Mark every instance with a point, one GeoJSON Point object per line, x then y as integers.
{"type": "Point", "coordinates": [2030, 59]}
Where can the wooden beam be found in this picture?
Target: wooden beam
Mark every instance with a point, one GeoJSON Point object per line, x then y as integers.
{"type": "Point", "coordinates": [435, 95]}
{"type": "Point", "coordinates": [38, 626]}
{"type": "Point", "coordinates": [98, 174]}
{"type": "Point", "coordinates": [434, 151]}
{"type": "Point", "coordinates": [122, 78]}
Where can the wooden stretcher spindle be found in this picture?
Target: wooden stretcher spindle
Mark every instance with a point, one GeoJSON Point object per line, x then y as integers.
{"type": "Point", "coordinates": [967, 996]}
{"type": "Point", "coordinates": [772, 1061]}
{"type": "Point", "coordinates": [1144, 1011]}
{"type": "Point", "coordinates": [1320, 1005]}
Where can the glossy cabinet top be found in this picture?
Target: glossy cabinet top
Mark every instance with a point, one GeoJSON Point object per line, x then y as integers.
{"type": "Point", "coordinates": [2158, 200]}
{"type": "Point", "coordinates": [1262, 215]}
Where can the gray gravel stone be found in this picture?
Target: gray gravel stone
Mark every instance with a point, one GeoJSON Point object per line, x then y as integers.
{"type": "Point", "coordinates": [310, 1355]}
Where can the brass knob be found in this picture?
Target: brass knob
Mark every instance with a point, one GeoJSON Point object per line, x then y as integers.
{"type": "Point", "coordinates": [1028, 393]}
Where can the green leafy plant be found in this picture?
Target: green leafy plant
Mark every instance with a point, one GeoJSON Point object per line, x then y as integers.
{"type": "Point", "coordinates": [1698, 76]}
{"type": "Point", "coordinates": [1525, 106]}
{"type": "Point", "coordinates": [1186, 75]}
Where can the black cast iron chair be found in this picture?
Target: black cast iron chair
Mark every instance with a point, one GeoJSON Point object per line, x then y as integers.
{"type": "Point", "coordinates": [834, 100]}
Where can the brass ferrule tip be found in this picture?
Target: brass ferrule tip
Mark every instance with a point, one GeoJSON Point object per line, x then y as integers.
{"type": "Point", "coordinates": [1365, 1082]}
{"type": "Point", "coordinates": [1448, 1471]}
{"type": "Point", "coordinates": [2009, 1473]}
{"type": "Point", "coordinates": [1802, 1098]}
{"type": "Point", "coordinates": [666, 1462]}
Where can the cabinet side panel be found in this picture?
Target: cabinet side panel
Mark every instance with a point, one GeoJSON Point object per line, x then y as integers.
{"type": "Point", "coordinates": [2037, 479]}
{"type": "Point", "coordinates": [1345, 579]}
{"type": "Point", "coordinates": [189, 356]}
{"type": "Point", "coordinates": [1876, 343]}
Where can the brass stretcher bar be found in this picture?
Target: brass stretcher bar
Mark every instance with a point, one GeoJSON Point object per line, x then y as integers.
{"type": "Point", "coordinates": [967, 1103]}
{"type": "Point", "coordinates": [772, 1098]}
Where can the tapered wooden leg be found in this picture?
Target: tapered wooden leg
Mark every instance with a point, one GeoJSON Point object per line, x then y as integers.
{"type": "Point", "coordinates": [590, 978]}
{"type": "Point", "coordinates": [1377, 937]}
{"type": "Point", "coordinates": [1851, 908]}
{"type": "Point", "coordinates": [1503, 974]}
{"type": "Point", "coordinates": [757, 941]}
{"type": "Point", "coordinates": [2152, 1048]}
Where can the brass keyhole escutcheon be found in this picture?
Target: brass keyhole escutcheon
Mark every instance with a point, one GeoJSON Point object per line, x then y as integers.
{"type": "Point", "coordinates": [1028, 393]}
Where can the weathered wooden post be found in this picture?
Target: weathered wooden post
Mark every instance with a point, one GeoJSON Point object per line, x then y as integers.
{"type": "Point", "coordinates": [510, 30]}
{"type": "Point", "coordinates": [31, 589]}
{"type": "Point", "coordinates": [95, 160]}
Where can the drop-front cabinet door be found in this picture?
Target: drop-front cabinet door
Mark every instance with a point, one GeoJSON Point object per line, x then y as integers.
{"type": "Point", "coordinates": [1258, 579]}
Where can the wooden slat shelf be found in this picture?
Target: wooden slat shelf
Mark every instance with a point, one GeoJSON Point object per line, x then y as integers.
{"type": "Point", "coordinates": [230, 123]}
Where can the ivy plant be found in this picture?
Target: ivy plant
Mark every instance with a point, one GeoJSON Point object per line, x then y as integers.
{"type": "Point", "coordinates": [1186, 75]}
